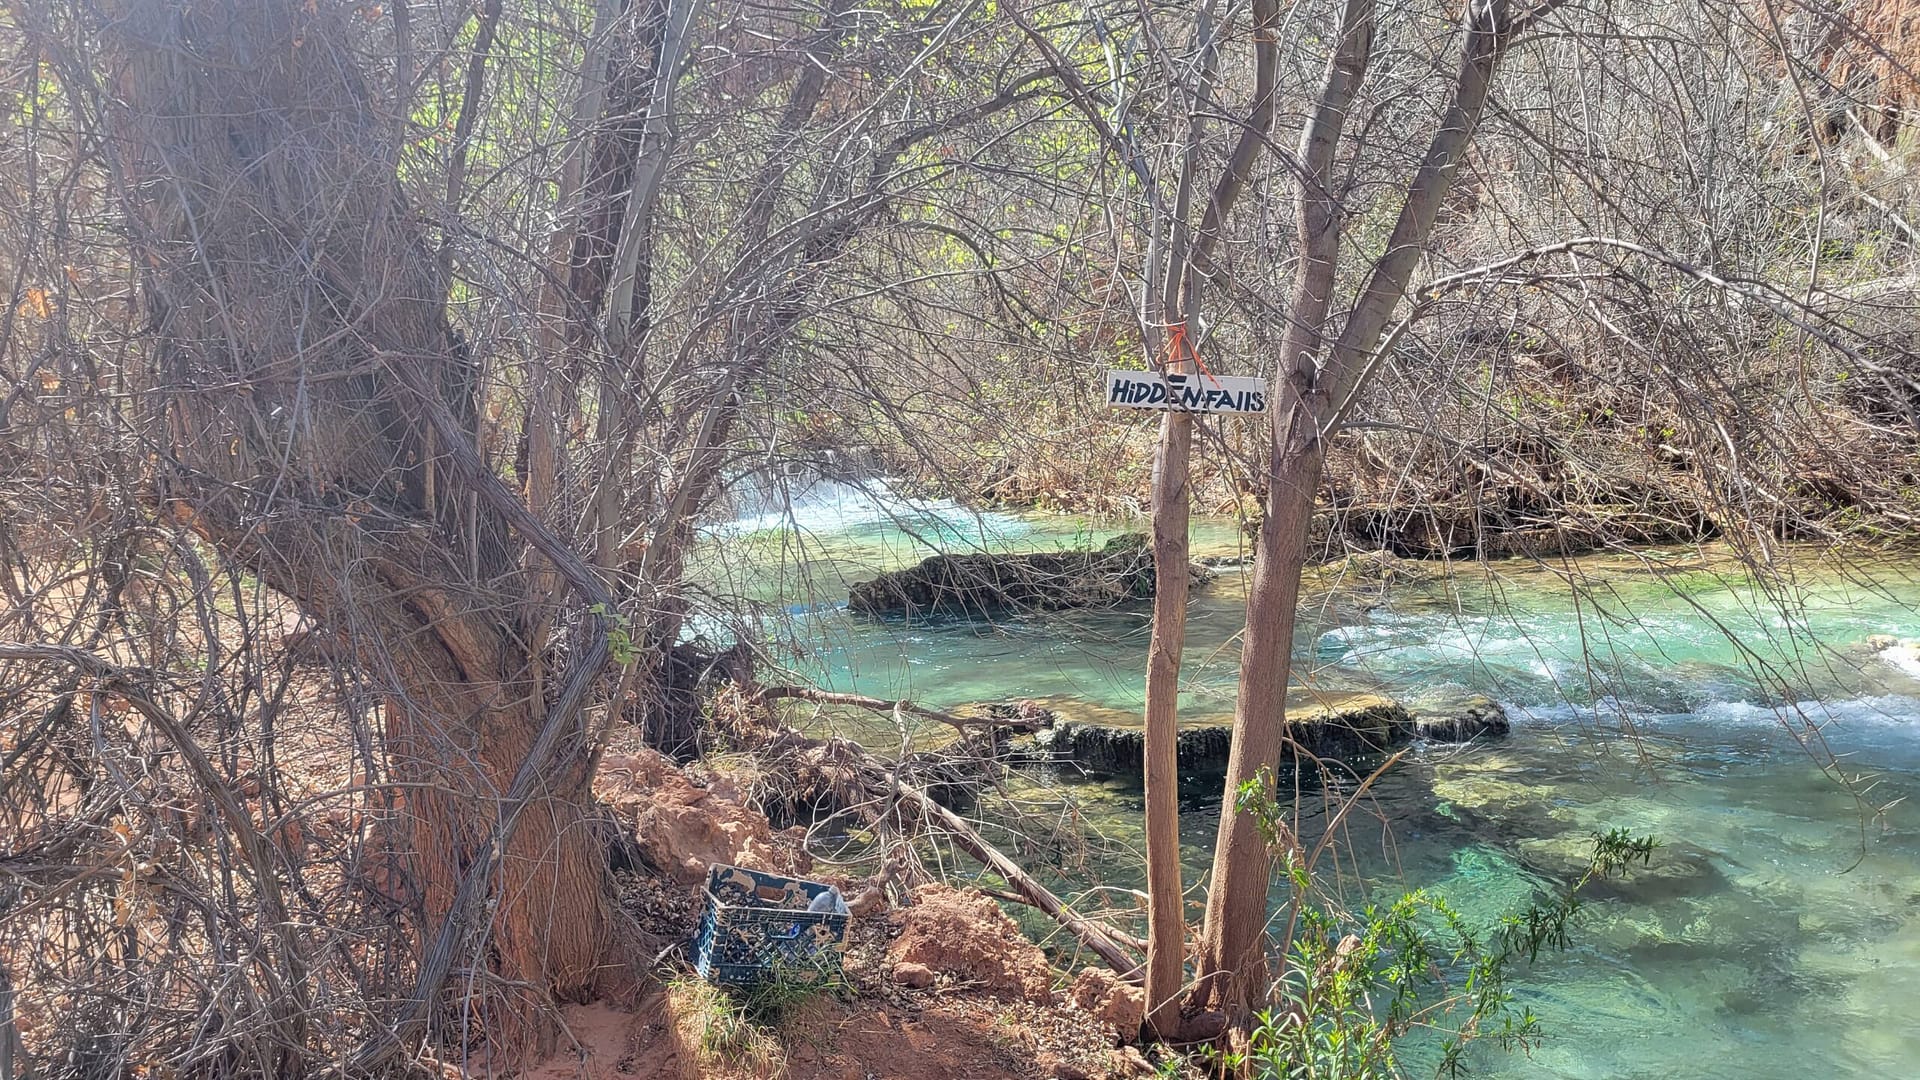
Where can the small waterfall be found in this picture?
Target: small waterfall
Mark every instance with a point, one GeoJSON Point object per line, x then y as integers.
{"type": "Point", "coordinates": [818, 504]}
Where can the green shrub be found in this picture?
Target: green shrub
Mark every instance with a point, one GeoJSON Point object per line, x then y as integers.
{"type": "Point", "coordinates": [1354, 986]}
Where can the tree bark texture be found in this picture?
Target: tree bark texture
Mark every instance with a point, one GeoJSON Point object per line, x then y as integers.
{"type": "Point", "coordinates": [1166, 910]}
{"type": "Point", "coordinates": [304, 351]}
{"type": "Point", "coordinates": [1179, 289]}
{"type": "Point", "coordinates": [1230, 970]}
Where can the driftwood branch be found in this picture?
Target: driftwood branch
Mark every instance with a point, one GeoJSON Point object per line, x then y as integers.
{"type": "Point", "coordinates": [860, 701]}
{"type": "Point", "coordinates": [890, 799]}
{"type": "Point", "coordinates": [1096, 938]}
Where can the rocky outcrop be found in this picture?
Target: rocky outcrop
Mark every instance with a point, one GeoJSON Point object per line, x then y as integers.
{"type": "Point", "coordinates": [963, 934]}
{"type": "Point", "coordinates": [1352, 727]}
{"type": "Point", "coordinates": [985, 583]}
{"type": "Point", "coordinates": [678, 828]}
{"type": "Point", "coordinates": [1462, 719]}
{"type": "Point", "coordinates": [1122, 749]}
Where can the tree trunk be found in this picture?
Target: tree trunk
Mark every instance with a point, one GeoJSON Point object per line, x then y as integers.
{"type": "Point", "coordinates": [1180, 294]}
{"type": "Point", "coordinates": [304, 359]}
{"type": "Point", "coordinates": [1232, 972]}
{"type": "Point", "coordinates": [1166, 914]}
{"type": "Point", "coordinates": [1316, 381]}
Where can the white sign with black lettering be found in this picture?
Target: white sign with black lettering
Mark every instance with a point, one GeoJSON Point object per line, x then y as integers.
{"type": "Point", "coordinates": [1198, 393]}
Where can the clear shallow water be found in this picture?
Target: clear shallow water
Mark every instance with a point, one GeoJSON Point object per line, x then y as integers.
{"type": "Point", "coordinates": [1778, 935]}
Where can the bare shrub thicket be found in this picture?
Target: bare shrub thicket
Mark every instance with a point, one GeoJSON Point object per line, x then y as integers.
{"type": "Point", "coordinates": [1658, 234]}
{"type": "Point", "coordinates": [367, 370]}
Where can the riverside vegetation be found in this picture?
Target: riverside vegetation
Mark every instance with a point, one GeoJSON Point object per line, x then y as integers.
{"type": "Point", "coordinates": [466, 465]}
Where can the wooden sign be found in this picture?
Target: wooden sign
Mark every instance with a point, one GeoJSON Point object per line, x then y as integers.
{"type": "Point", "coordinates": [1198, 393]}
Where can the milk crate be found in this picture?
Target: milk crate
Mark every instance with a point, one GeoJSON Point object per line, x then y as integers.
{"type": "Point", "coordinates": [758, 924]}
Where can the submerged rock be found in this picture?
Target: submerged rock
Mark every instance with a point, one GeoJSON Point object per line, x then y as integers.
{"type": "Point", "coordinates": [1354, 727]}
{"type": "Point", "coordinates": [1496, 788]}
{"type": "Point", "coordinates": [1491, 796]}
{"type": "Point", "coordinates": [985, 583]}
{"type": "Point", "coordinates": [1378, 570]}
{"type": "Point", "coordinates": [1225, 562]}
{"type": "Point", "coordinates": [1672, 870]}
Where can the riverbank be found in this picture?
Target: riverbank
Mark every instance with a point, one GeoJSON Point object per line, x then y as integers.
{"type": "Point", "coordinates": [937, 981]}
{"type": "Point", "coordinates": [1566, 461]}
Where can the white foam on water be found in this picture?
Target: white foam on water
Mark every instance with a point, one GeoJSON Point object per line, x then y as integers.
{"type": "Point", "coordinates": [1903, 657]}
{"type": "Point", "coordinates": [1878, 711]}
{"type": "Point", "coordinates": [1875, 718]}
{"type": "Point", "coordinates": [828, 507]}
{"type": "Point", "coordinates": [1559, 713]}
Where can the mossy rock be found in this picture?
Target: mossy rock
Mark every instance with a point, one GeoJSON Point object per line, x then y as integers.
{"type": "Point", "coordinates": [1498, 798]}
{"type": "Point", "coordinates": [1461, 719]}
{"type": "Point", "coordinates": [987, 583]}
{"type": "Point", "coordinates": [1341, 729]}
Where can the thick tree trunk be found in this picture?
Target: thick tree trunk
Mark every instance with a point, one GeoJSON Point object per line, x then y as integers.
{"type": "Point", "coordinates": [310, 382]}
{"type": "Point", "coordinates": [1231, 969]}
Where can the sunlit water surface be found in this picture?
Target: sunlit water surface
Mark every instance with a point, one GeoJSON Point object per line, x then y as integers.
{"type": "Point", "coordinates": [1662, 693]}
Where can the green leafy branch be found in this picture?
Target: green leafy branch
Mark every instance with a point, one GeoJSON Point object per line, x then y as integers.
{"type": "Point", "coordinates": [1354, 985]}
{"type": "Point", "coordinates": [619, 633]}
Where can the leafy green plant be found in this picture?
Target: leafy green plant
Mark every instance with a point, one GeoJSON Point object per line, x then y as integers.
{"type": "Point", "coordinates": [619, 633]}
{"type": "Point", "coordinates": [1354, 985]}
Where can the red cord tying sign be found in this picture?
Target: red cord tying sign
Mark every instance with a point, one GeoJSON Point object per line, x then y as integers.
{"type": "Point", "coordinates": [1186, 393]}
{"type": "Point", "coordinates": [1200, 392]}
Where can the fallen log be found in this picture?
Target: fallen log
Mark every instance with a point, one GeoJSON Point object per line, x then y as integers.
{"type": "Point", "coordinates": [886, 792]}
{"type": "Point", "coordinates": [1096, 938]}
{"type": "Point", "coordinates": [860, 701]}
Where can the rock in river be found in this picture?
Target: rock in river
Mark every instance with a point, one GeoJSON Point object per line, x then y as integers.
{"type": "Point", "coordinates": [1344, 728]}
{"type": "Point", "coordinates": [985, 583]}
{"type": "Point", "coordinates": [1670, 870]}
{"type": "Point", "coordinates": [1460, 719]}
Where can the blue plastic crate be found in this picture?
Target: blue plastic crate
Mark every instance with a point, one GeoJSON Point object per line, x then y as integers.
{"type": "Point", "coordinates": [756, 923]}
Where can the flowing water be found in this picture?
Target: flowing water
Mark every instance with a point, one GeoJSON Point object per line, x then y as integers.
{"type": "Point", "coordinates": [1753, 730]}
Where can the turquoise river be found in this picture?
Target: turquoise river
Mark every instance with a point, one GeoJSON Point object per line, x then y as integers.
{"type": "Point", "coordinates": [1768, 735]}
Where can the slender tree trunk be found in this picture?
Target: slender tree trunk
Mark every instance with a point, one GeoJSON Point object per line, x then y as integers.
{"type": "Point", "coordinates": [1231, 969]}
{"type": "Point", "coordinates": [1188, 252]}
{"type": "Point", "coordinates": [1166, 914]}
{"type": "Point", "coordinates": [1314, 381]}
